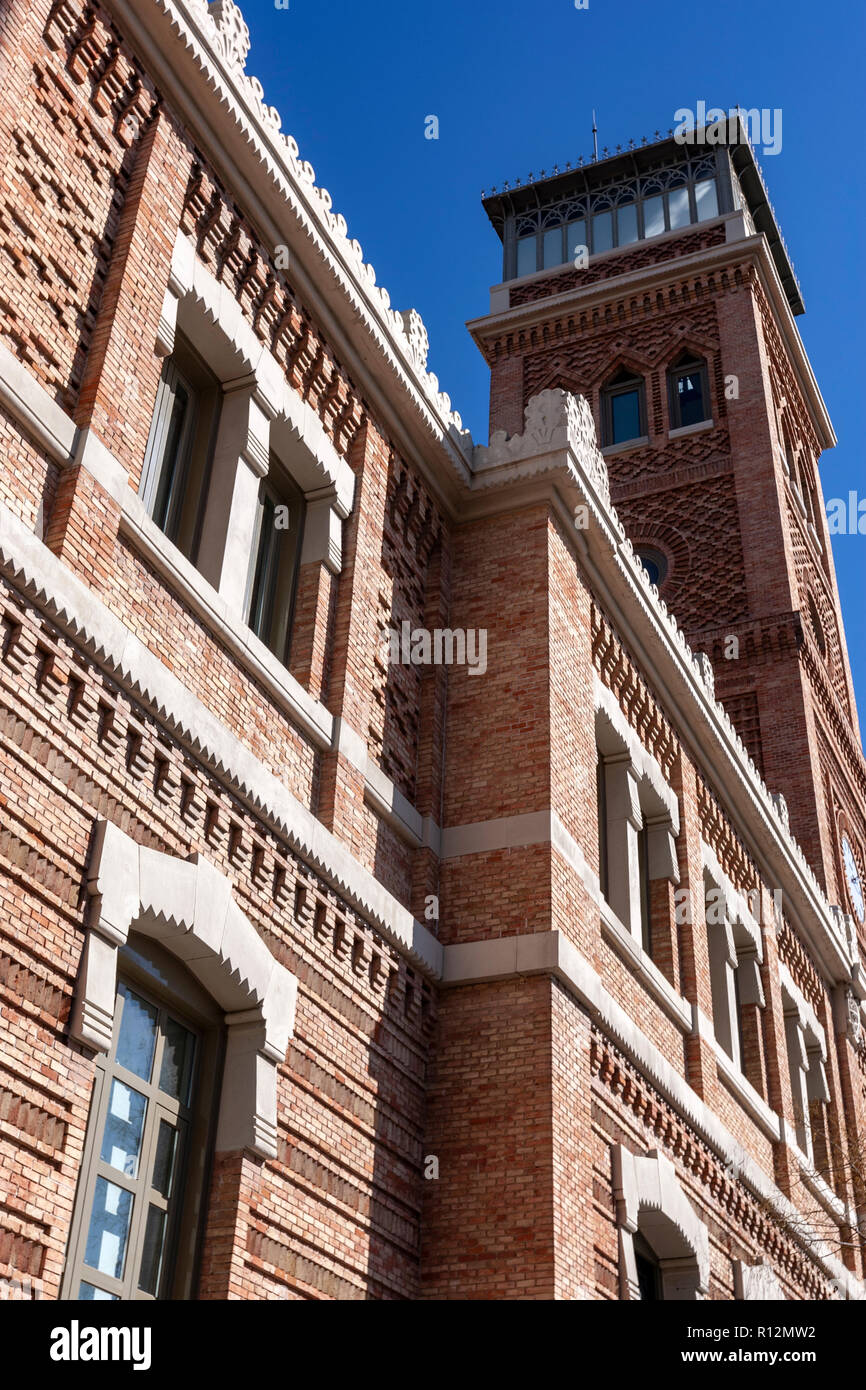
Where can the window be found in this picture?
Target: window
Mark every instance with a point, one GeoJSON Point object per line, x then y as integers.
{"type": "Point", "coordinates": [623, 411]}
{"type": "Point", "coordinates": [602, 232]}
{"type": "Point", "coordinates": [706, 200]}
{"type": "Point", "coordinates": [526, 263]}
{"type": "Point", "coordinates": [678, 208]}
{"type": "Point", "coordinates": [134, 1232]}
{"type": "Point", "coordinates": [179, 445]}
{"type": "Point", "coordinates": [674, 199]}
{"type": "Point", "coordinates": [648, 1271]}
{"type": "Point", "coordinates": [552, 247]}
{"type": "Point", "coordinates": [276, 554]}
{"type": "Point", "coordinates": [626, 224]}
{"type": "Point", "coordinates": [601, 805]}
{"type": "Point", "coordinates": [644, 880]}
{"type": "Point", "coordinates": [655, 562]}
{"type": "Point", "coordinates": [688, 393]}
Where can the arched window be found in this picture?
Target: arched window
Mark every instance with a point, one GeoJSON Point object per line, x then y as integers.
{"type": "Point", "coordinates": [142, 1177]}
{"type": "Point", "coordinates": [623, 409]}
{"type": "Point", "coordinates": [655, 562]}
{"type": "Point", "coordinates": [173, 978]}
{"type": "Point", "coordinates": [664, 1247]}
{"type": "Point", "coordinates": [688, 392]}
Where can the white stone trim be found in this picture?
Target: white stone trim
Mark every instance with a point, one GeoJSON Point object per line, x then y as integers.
{"type": "Point", "coordinates": [86, 620]}
{"type": "Point", "coordinates": [646, 766]}
{"type": "Point", "coordinates": [31, 405]}
{"type": "Point", "coordinates": [502, 958]}
{"type": "Point", "coordinates": [737, 909]}
{"type": "Point", "coordinates": [751, 1100]}
{"type": "Point", "coordinates": [757, 1283]}
{"type": "Point", "coordinates": [649, 1199]}
{"type": "Point", "coordinates": [211, 314]}
{"type": "Point", "coordinates": [187, 906]}
{"type": "Point", "coordinates": [698, 428]}
{"type": "Point", "coordinates": [654, 982]}
{"type": "Point", "coordinates": [806, 1014]}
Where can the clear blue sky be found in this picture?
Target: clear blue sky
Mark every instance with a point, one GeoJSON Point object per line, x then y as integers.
{"type": "Point", "coordinates": [513, 86]}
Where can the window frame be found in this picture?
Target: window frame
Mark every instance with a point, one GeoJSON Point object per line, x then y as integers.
{"type": "Point", "coordinates": [615, 387]}
{"type": "Point", "coordinates": [156, 977]}
{"type": "Point", "coordinates": [694, 366]}
{"type": "Point", "coordinates": [274, 490]}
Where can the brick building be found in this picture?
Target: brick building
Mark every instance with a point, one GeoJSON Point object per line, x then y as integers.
{"type": "Point", "coordinates": [329, 969]}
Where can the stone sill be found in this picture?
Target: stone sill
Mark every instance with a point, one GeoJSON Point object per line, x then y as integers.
{"type": "Point", "coordinates": [639, 443]}
{"type": "Point", "coordinates": [751, 1100]}
{"type": "Point", "coordinates": [616, 934]}
{"type": "Point", "coordinates": [699, 428]}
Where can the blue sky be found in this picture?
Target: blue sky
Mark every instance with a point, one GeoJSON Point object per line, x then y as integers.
{"type": "Point", "coordinates": [514, 85]}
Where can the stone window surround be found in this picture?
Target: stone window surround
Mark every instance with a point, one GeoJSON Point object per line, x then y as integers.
{"type": "Point", "coordinates": [637, 796]}
{"type": "Point", "coordinates": [29, 403]}
{"type": "Point", "coordinates": [260, 412]}
{"type": "Point", "coordinates": [742, 951]}
{"type": "Point", "coordinates": [806, 1044]}
{"type": "Point", "coordinates": [650, 1200]}
{"type": "Point", "coordinates": [187, 906]}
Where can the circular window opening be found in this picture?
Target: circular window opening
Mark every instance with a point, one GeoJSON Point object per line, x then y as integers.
{"type": "Point", "coordinates": [654, 562]}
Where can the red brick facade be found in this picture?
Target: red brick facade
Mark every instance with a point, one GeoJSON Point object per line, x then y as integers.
{"type": "Point", "coordinates": [486, 1070]}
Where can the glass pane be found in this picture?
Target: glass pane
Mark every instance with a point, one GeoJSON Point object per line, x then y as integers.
{"type": "Point", "coordinates": [625, 416]}
{"type": "Point", "coordinates": [653, 216]}
{"type": "Point", "coordinates": [137, 1040]}
{"type": "Point", "coordinates": [121, 1142]}
{"type": "Point", "coordinates": [169, 471]}
{"type": "Point", "coordinates": [552, 247]}
{"type": "Point", "coordinates": [163, 1163]}
{"type": "Point", "coordinates": [575, 235]}
{"type": "Point", "coordinates": [109, 1228]}
{"type": "Point", "coordinates": [626, 223]}
{"type": "Point", "coordinates": [175, 1071]}
{"type": "Point", "coordinates": [678, 207]}
{"type": "Point", "coordinates": [151, 1260]}
{"type": "Point", "coordinates": [261, 603]}
{"type": "Point", "coordinates": [90, 1291]}
{"type": "Point", "coordinates": [526, 255]}
{"type": "Point", "coordinates": [602, 232]}
{"type": "Point", "coordinates": [706, 200]}
{"type": "Point", "coordinates": [691, 398]}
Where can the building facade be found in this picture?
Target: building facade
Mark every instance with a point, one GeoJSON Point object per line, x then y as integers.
{"type": "Point", "coordinates": [430, 869]}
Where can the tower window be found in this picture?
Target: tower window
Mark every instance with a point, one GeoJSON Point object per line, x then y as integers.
{"type": "Point", "coordinates": [623, 409]}
{"type": "Point", "coordinates": [688, 393]}
{"type": "Point", "coordinates": [654, 562]}
{"type": "Point", "coordinates": [706, 200]}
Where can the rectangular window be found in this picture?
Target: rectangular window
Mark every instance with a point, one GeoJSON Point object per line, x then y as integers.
{"type": "Point", "coordinates": [602, 232]}
{"type": "Point", "coordinates": [644, 878]}
{"type": "Point", "coordinates": [526, 254]}
{"type": "Point", "coordinates": [601, 807]}
{"type": "Point", "coordinates": [552, 247]}
{"type": "Point", "coordinates": [626, 224]}
{"type": "Point", "coordinates": [706, 200]}
{"type": "Point", "coordinates": [678, 207]}
{"type": "Point", "coordinates": [653, 216]}
{"type": "Point", "coordinates": [575, 235]}
{"type": "Point", "coordinates": [689, 396]}
{"type": "Point", "coordinates": [625, 416]}
{"type": "Point", "coordinates": [178, 447]}
{"type": "Point", "coordinates": [276, 554]}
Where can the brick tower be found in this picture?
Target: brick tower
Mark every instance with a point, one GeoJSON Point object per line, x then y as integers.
{"type": "Point", "coordinates": [657, 284]}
